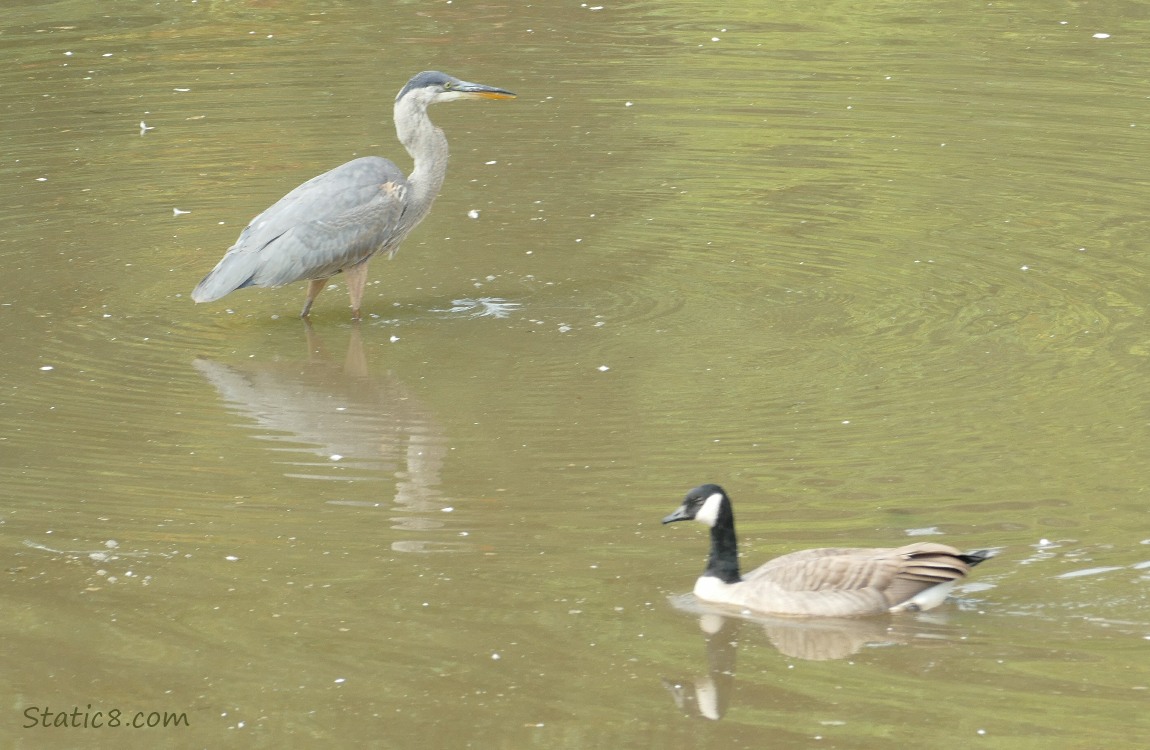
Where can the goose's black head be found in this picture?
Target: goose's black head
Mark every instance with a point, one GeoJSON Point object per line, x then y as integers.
{"type": "Point", "coordinates": [706, 504]}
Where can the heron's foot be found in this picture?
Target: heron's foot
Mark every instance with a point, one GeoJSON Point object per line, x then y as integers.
{"type": "Point", "coordinates": [355, 315]}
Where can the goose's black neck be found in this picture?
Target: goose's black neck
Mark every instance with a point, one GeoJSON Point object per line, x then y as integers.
{"type": "Point", "coordinates": [723, 562]}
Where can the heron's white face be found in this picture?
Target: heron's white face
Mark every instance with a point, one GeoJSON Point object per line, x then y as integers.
{"type": "Point", "coordinates": [709, 513]}
{"type": "Point", "coordinates": [440, 96]}
{"type": "Point", "coordinates": [422, 97]}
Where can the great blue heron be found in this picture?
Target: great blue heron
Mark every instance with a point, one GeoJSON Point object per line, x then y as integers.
{"type": "Point", "coordinates": [339, 220]}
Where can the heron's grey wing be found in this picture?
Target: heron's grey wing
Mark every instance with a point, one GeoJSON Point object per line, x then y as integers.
{"type": "Point", "coordinates": [329, 223]}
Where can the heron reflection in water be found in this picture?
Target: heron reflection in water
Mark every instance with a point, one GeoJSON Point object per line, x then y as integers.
{"type": "Point", "coordinates": [336, 222]}
{"type": "Point", "coordinates": [327, 418]}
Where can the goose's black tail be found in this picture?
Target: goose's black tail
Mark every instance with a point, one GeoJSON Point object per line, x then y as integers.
{"type": "Point", "coordinates": [977, 556]}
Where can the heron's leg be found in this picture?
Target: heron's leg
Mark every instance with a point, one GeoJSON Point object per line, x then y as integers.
{"type": "Point", "coordinates": [356, 280]}
{"type": "Point", "coordinates": [314, 287]}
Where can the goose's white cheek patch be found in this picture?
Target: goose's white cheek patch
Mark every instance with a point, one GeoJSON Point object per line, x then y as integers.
{"type": "Point", "coordinates": [709, 513]}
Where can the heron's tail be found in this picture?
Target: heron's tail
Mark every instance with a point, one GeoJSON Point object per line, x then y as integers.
{"type": "Point", "coordinates": [236, 270]}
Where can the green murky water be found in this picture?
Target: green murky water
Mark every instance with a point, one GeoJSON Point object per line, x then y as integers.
{"type": "Point", "coordinates": [879, 270]}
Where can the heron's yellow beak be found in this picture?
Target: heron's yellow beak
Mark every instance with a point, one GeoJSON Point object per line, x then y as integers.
{"type": "Point", "coordinates": [479, 91]}
{"type": "Point", "coordinates": [495, 94]}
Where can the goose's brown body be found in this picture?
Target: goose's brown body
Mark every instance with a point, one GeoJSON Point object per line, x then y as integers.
{"type": "Point", "coordinates": [839, 582]}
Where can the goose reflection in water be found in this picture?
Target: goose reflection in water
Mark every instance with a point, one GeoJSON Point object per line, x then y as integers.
{"type": "Point", "coordinates": [337, 421]}
{"type": "Point", "coordinates": [707, 695]}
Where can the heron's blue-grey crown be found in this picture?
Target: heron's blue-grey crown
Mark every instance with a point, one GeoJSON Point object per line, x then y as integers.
{"type": "Point", "coordinates": [426, 78]}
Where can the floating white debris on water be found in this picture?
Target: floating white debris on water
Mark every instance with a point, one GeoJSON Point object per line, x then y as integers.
{"type": "Point", "coordinates": [1101, 35]}
{"type": "Point", "coordinates": [46, 368]}
{"type": "Point", "coordinates": [473, 214]}
{"type": "Point", "coordinates": [603, 368]}
{"type": "Point", "coordinates": [496, 657]}
{"type": "Point", "coordinates": [482, 307]}
{"type": "Point", "coordinates": [182, 91]}
{"type": "Point", "coordinates": [925, 531]}
{"type": "Point", "coordinates": [231, 558]}
{"type": "Point", "coordinates": [976, 586]}
{"type": "Point", "coordinates": [145, 127]}
{"type": "Point", "coordinates": [179, 212]}
{"type": "Point", "coordinates": [336, 457]}
{"type": "Point", "coordinates": [1089, 572]}
{"type": "Point", "coordinates": [393, 339]}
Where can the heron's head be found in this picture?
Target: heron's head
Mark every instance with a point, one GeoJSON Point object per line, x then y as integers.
{"type": "Point", "coordinates": [433, 87]}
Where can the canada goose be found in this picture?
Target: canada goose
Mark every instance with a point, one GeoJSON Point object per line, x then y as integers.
{"type": "Point", "coordinates": [831, 582]}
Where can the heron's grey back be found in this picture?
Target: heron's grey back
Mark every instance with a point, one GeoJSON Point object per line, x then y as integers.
{"type": "Point", "coordinates": [331, 222]}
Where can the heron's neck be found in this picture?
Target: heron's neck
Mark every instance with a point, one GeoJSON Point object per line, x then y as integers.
{"type": "Point", "coordinates": [428, 148]}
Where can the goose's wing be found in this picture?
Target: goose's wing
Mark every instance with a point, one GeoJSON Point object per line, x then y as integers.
{"type": "Point", "coordinates": [845, 581]}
